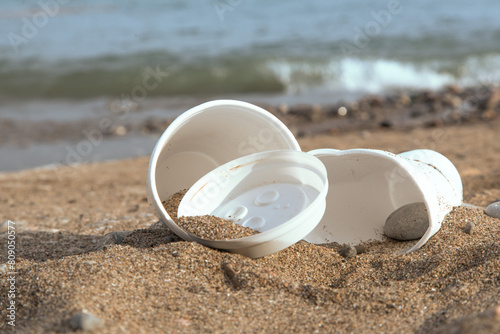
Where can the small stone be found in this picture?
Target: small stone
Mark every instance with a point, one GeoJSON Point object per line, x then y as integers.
{"type": "Point", "coordinates": [231, 274]}
{"type": "Point", "coordinates": [4, 227]}
{"type": "Point", "coordinates": [360, 249]}
{"type": "Point", "coordinates": [176, 254]}
{"type": "Point", "coordinates": [409, 222]}
{"type": "Point", "coordinates": [317, 114]}
{"type": "Point", "coordinates": [157, 226]}
{"type": "Point", "coordinates": [135, 208]}
{"type": "Point", "coordinates": [469, 228]}
{"type": "Point", "coordinates": [113, 238]}
{"type": "Point", "coordinates": [120, 130]}
{"type": "Point", "coordinates": [118, 238]}
{"type": "Point", "coordinates": [169, 239]}
{"type": "Point", "coordinates": [3, 268]}
{"type": "Point", "coordinates": [386, 124]}
{"type": "Point", "coordinates": [284, 108]}
{"type": "Point", "coordinates": [348, 252]}
{"type": "Point", "coordinates": [493, 210]}
{"type": "Point", "coordinates": [86, 322]}
{"type": "Point", "coordinates": [75, 250]}
{"type": "Point", "coordinates": [365, 134]}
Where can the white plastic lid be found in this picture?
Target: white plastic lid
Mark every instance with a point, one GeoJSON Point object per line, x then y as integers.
{"type": "Point", "coordinates": [278, 193]}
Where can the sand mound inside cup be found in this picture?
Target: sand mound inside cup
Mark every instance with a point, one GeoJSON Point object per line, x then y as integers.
{"type": "Point", "coordinates": [214, 228]}
{"type": "Point", "coordinates": [206, 227]}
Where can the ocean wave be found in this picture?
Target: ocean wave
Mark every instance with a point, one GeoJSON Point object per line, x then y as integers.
{"type": "Point", "coordinates": [235, 74]}
{"type": "Point", "coordinates": [383, 74]}
{"type": "Point", "coordinates": [379, 75]}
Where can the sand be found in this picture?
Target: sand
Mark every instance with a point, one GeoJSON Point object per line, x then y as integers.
{"type": "Point", "coordinates": [205, 227]}
{"type": "Point", "coordinates": [69, 258]}
{"type": "Point", "coordinates": [214, 228]}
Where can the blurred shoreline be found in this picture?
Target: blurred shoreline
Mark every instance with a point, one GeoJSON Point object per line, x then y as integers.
{"type": "Point", "coordinates": [70, 132]}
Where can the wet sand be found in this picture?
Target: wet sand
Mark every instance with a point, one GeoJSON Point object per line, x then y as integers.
{"type": "Point", "coordinates": [59, 133]}
{"type": "Point", "coordinates": [88, 241]}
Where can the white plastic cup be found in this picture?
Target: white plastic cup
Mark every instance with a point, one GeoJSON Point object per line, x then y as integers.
{"type": "Point", "coordinates": [204, 138]}
{"type": "Point", "coordinates": [278, 193]}
{"type": "Point", "coordinates": [366, 186]}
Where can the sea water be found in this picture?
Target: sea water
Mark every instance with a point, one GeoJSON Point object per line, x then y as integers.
{"type": "Point", "coordinates": [86, 49]}
{"type": "Point", "coordinates": [67, 60]}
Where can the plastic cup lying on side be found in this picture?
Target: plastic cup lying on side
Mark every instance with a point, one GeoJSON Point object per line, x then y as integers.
{"type": "Point", "coordinates": [366, 186]}
{"type": "Point", "coordinates": [281, 194]}
{"type": "Point", "coordinates": [204, 138]}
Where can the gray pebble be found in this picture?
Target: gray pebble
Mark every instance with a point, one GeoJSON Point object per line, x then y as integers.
{"type": "Point", "coordinates": [113, 238]}
{"type": "Point", "coordinates": [75, 250]}
{"type": "Point", "coordinates": [360, 249]}
{"type": "Point", "coordinates": [409, 222]}
{"type": "Point", "coordinates": [4, 227]}
{"type": "Point", "coordinates": [90, 262]}
{"type": "Point", "coordinates": [3, 268]}
{"type": "Point", "coordinates": [118, 238]}
{"type": "Point", "coordinates": [85, 322]}
{"type": "Point", "coordinates": [469, 228]}
{"type": "Point", "coordinates": [169, 239]}
{"type": "Point", "coordinates": [348, 252]}
{"type": "Point", "coordinates": [159, 225]}
{"type": "Point", "coordinates": [176, 254]}
{"type": "Point", "coordinates": [493, 210]}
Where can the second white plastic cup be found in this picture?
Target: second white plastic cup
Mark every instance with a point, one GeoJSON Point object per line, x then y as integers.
{"type": "Point", "coordinates": [366, 186]}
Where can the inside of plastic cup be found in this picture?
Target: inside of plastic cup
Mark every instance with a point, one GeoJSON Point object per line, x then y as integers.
{"type": "Point", "coordinates": [366, 186]}
{"type": "Point", "coordinates": [279, 193]}
{"type": "Point", "coordinates": [212, 134]}
{"type": "Point", "coordinates": [206, 137]}
{"type": "Point", "coordinates": [259, 194]}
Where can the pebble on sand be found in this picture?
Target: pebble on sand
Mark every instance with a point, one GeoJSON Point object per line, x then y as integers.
{"type": "Point", "coordinates": [4, 227]}
{"type": "Point", "coordinates": [360, 249]}
{"type": "Point", "coordinates": [409, 222]}
{"type": "Point", "coordinates": [348, 251]}
{"type": "Point", "coordinates": [493, 210]}
{"type": "Point", "coordinates": [86, 322]}
{"type": "Point", "coordinates": [118, 238]}
{"type": "Point", "coordinates": [469, 228]}
{"type": "Point", "coordinates": [113, 238]}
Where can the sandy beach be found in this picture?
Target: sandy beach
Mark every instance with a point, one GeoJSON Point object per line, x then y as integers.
{"type": "Point", "coordinates": [86, 240]}
{"type": "Point", "coordinates": [88, 87]}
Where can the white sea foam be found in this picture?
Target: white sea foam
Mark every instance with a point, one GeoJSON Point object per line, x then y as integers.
{"type": "Point", "coordinates": [379, 75]}
{"type": "Point", "coordinates": [382, 74]}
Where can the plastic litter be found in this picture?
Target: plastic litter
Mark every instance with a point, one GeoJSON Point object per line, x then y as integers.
{"type": "Point", "coordinates": [204, 138]}
{"type": "Point", "coordinates": [241, 163]}
{"type": "Point", "coordinates": [366, 186]}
